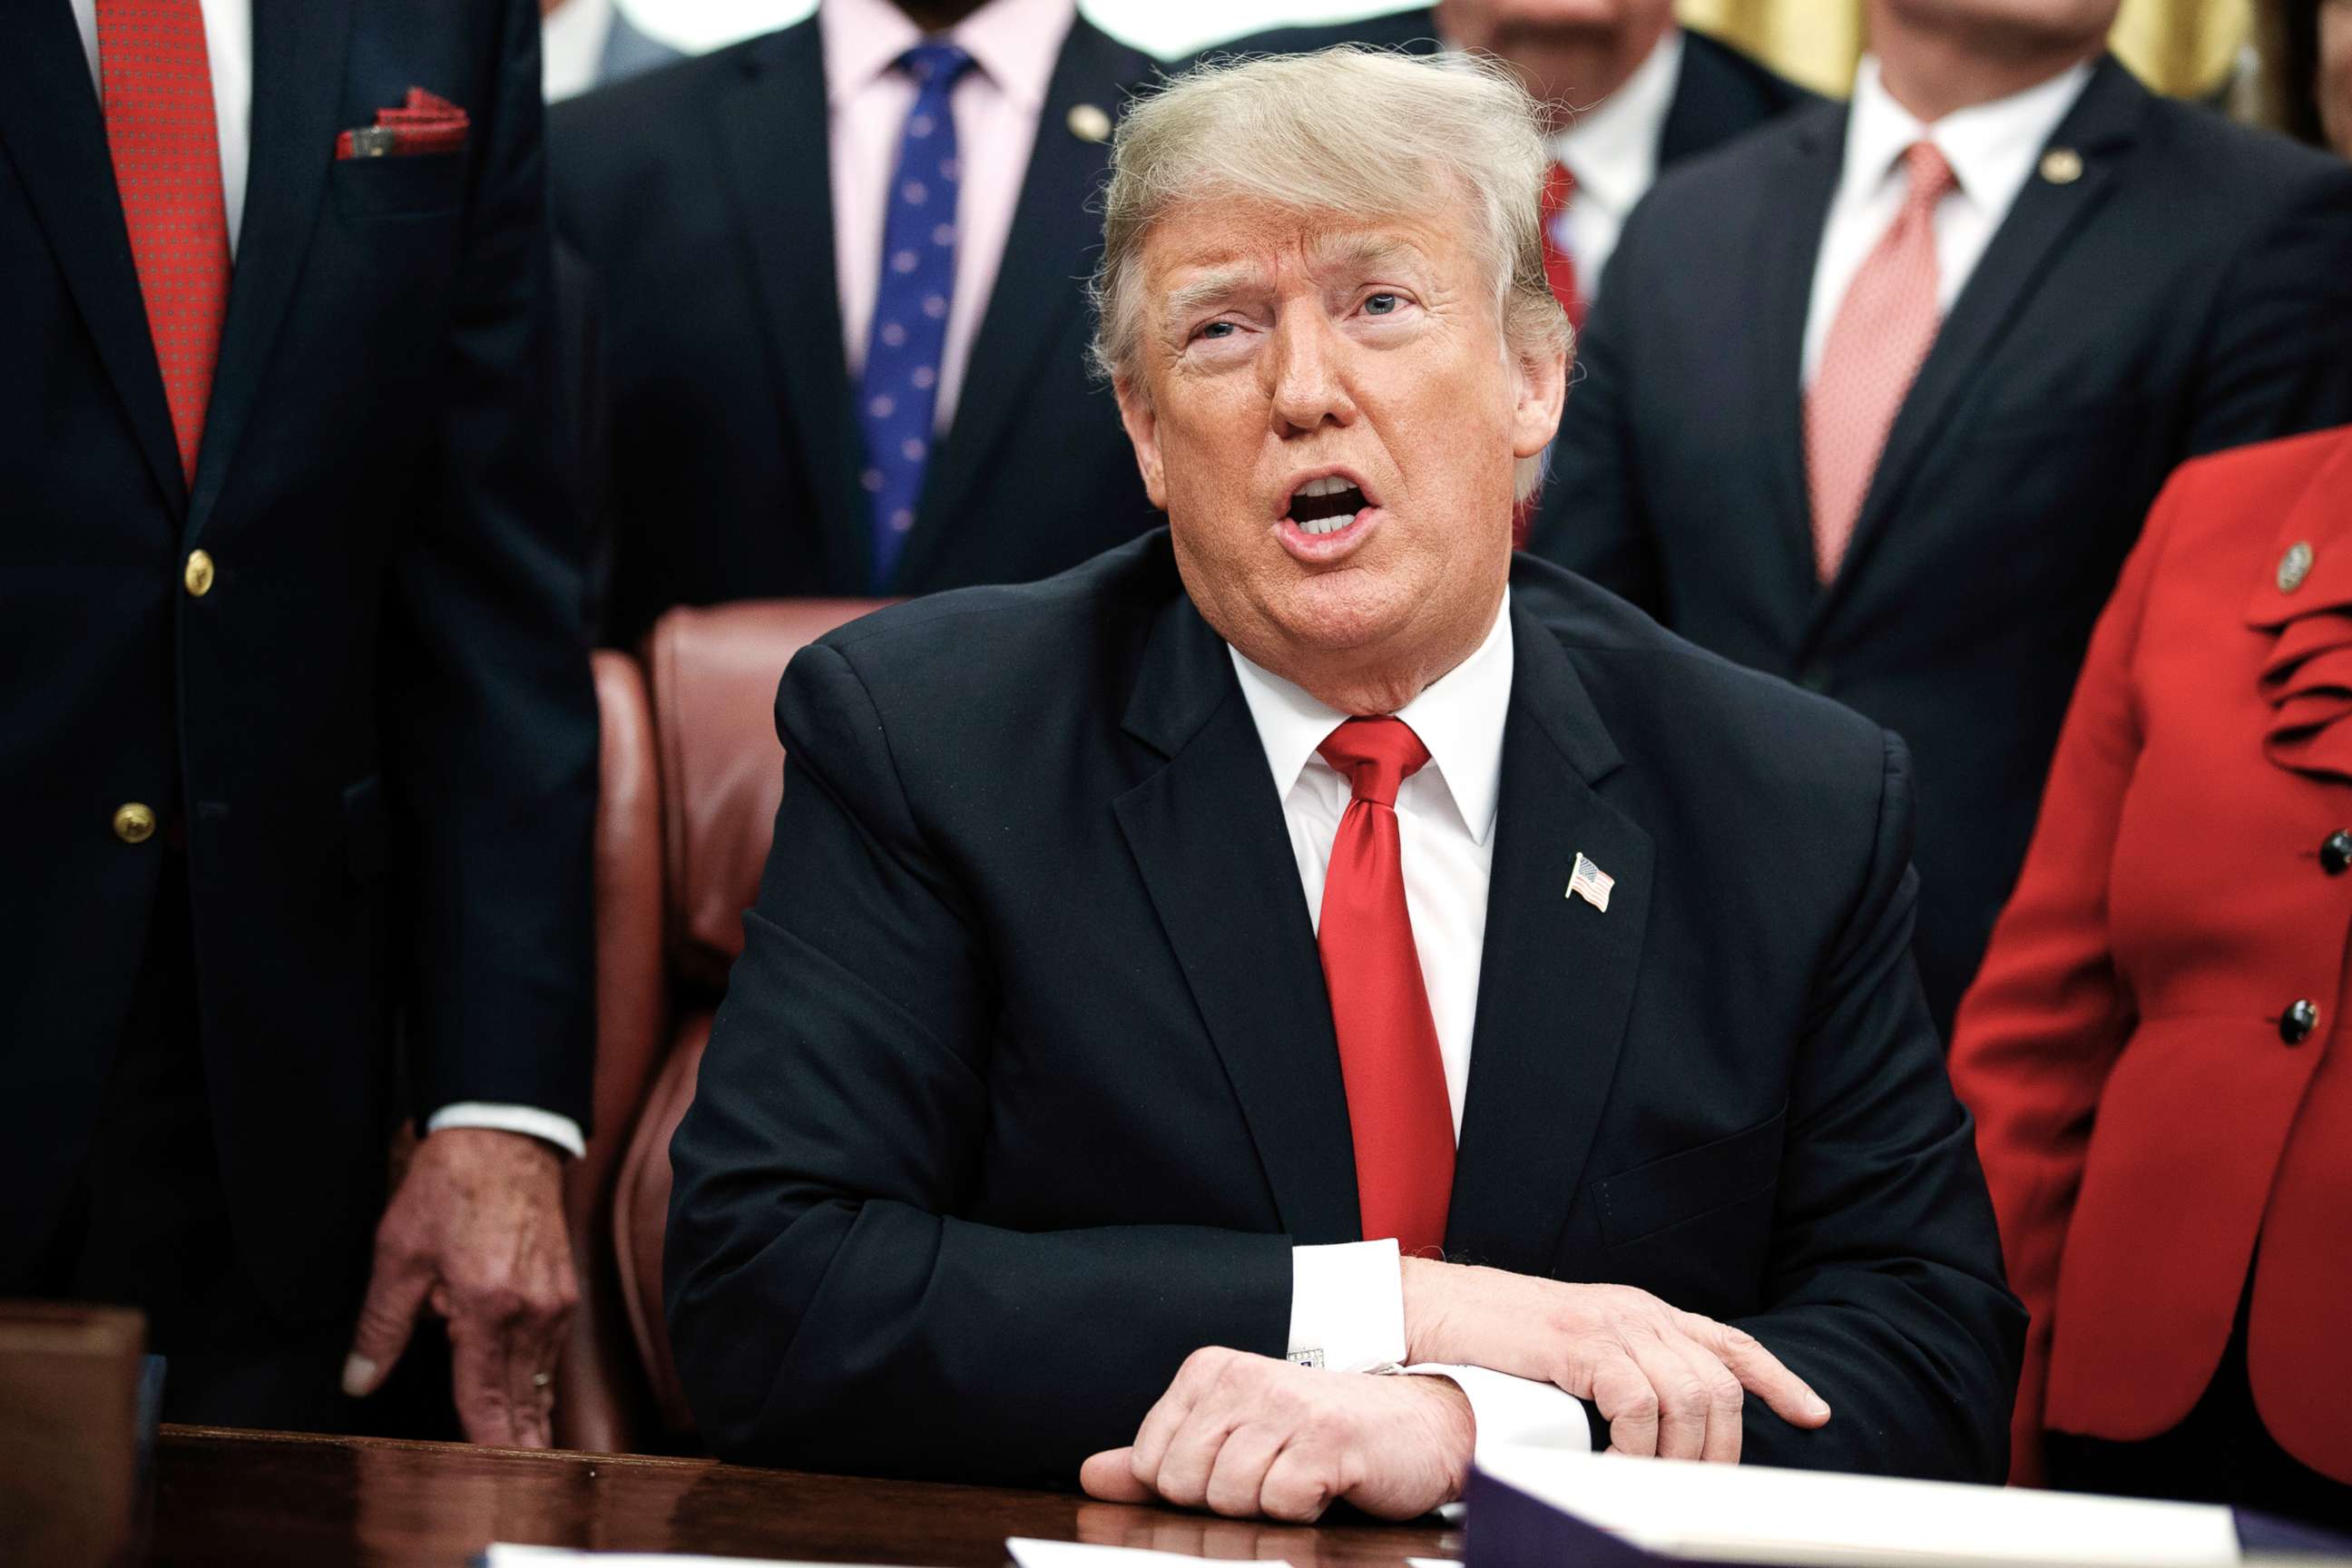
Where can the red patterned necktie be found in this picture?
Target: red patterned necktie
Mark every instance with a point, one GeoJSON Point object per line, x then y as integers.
{"type": "Point", "coordinates": [160, 127]}
{"type": "Point", "coordinates": [1397, 1105]}
{"type": "Point", "coordinates": [1560, 267]}
{"type": "Point", "coordinates": [1877, 342]}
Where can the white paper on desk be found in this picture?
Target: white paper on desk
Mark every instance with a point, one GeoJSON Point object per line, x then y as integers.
{"type": "Point", "coordinates": [1032, 1553]}
{"type": "Point", "coordinates": [1749, 1513]}
{"type": "Point", "coordinates": [506, 1555]}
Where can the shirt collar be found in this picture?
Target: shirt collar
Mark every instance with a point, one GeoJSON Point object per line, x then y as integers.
{"type": "Point", "coordinates": [1459, 717]}
{"type": "Point", "coordinates": [1612, 147]}
{"type": "Point", "coordinates": [1991, 147]}
{"type": "Point", "coordinates": [1014, 43]}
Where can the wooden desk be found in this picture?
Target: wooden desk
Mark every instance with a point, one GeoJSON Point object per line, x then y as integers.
{"type": "Point", "coordinates": [259, 1499]}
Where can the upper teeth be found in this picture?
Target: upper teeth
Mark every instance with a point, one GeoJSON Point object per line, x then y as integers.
{"type": "Point", "coordinates": [1329, 485]}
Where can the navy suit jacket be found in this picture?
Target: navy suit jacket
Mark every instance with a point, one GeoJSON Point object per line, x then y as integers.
{"type": "Point", "coordinates": [1025, 1084]}
{"type": "Point", "coordinates": [372, 740]}
{"type": "Point", "coordinates": [1721, 93]}
{"type": "Point", "coordinates": [2191, 290]}
{"type": "Point", "coordinates": [701, 194]}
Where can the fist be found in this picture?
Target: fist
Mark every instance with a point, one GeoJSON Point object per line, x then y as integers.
{"type": "Point", "coordinates": [1247, 1436]}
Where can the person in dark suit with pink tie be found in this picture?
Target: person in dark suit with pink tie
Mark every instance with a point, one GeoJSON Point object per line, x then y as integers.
{"type": "Point", "coordinates": [300, 754]}
{"type": "Point", "coordinates": [1877, 398]}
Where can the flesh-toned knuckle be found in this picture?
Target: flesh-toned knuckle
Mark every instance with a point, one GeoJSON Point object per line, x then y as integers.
{"type": "Point", "coordinates": [1725, 1392]}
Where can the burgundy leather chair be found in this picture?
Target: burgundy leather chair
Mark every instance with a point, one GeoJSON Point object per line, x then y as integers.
{"type": "Point", "coordinates": [692, 774]}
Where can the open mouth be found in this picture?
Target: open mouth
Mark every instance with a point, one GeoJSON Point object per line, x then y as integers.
{"type": "Point", "coordinates": [1325, 505]}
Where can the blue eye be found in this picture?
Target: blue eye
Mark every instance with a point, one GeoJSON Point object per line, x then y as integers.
{"type": "Point", "coordinates": [1381, 304]}
{"type": "Point", "coordinates": [1217, 329]}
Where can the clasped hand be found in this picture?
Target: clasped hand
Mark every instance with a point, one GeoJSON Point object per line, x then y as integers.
{"type": "Point", "coordinates": [1246, 1434]}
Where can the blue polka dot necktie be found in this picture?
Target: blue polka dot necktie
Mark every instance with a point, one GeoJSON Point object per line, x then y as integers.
{"type": "Point", "coordinates": [899, 391]}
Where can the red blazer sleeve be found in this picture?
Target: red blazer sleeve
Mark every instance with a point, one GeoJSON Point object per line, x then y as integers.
{"type": "Point", "coordinates": [2048, 1014]}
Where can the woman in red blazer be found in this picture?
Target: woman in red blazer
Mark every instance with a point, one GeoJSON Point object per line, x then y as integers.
{"type": "Point", "coordinates": [2154, 1048]}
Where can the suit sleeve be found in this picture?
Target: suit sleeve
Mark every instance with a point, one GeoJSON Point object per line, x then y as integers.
{"type": "Point", "coordinates": [828, 1304]}
{"type": "Point", "coordinates": [2048, 1015]}
{"type": "Point", "coordinates": [1589, 517]}
{"type": "Point", "coordinates": [1883, 1290]}
{"type": "Point", "coordinates": [490, 718]}
{"type": "Point", "coordinates": [2278, 356]}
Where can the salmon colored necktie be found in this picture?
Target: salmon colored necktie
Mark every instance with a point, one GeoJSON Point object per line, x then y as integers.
{"type": "Point", "coordinates": [1397, 1105]}
{"type": "Point", "coordinates": [158, 88]}
{"type": "Point", "coordinates": [1877, 342]}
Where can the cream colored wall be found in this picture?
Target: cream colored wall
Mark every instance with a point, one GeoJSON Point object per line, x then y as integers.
{"type": "Point", "coordinates": [2185, 46]}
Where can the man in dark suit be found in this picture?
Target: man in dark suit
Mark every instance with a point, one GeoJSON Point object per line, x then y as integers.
{"type": "Point", "coordinates": [1627, 93]}
{"type": "Point", "coordinates": [2088, 283]}
{"type": "Point", "coordinates": [783, 254]}
{"type": "Point", "coordinates": [1135, 943]}
{"type": "Point", "coordinates": [299, 744]}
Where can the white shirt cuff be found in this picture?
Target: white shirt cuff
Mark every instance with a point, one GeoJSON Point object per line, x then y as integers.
{"type": "Point", "coordinates": [1347, 1306]}
{"type": "Point", "coordinates": [559, 1131]}
{"type": "Point", "coordinates": [1515, 1410]}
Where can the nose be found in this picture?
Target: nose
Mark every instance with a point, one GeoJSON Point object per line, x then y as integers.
{"type": "Point", "coordinates": [1310, 388]}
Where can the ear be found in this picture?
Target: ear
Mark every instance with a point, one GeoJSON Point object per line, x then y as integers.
{"type": "Point", "coordinates": [1143, 430]}
{"type": "Point", "coordinates": [1542, 390]}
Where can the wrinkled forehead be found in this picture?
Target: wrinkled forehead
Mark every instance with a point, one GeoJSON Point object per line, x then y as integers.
{"type": "Point", "coordinates": [1208, 246]}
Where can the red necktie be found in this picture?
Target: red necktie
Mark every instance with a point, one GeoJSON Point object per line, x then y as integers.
{"type": "Point", "coordinates": [1397, 1104]}
{"type": "Point", "coordinates": [160, 127]}
{"type": "Point", "coordinates": [1560, 267]}
{"type": "Point", "coordinates": [1877, 344]}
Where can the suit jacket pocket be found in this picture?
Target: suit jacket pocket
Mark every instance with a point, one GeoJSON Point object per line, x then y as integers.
{"type": "Point", "coordinates": [363, 829]}
{"type": "Point", "coordinates": [422, 184]}
{"type": "Point", "coordinates": [1682, 1187]}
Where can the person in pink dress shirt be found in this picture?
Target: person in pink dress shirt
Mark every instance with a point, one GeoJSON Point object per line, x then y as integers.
{"type": "Point", "coordinates": [847, 327]}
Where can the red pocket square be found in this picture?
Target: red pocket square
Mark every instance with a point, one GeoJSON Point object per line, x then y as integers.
{"type": "Point", "coordinates": [425, 123]}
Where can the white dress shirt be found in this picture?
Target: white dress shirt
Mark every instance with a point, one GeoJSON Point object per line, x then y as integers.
{"type": "Point", "coordinates": [572, 47]}
{"type": "Point", "coordinates": [1014, 45]}
{"type": "Point", "coordinates": [1347, 1301]}
{"type": "Point", "coordinates": [1612, 151]}
{"type": "Point", "coordinates": [1992, 149]}
{"type": "Point", "coordinates": [229, 48]}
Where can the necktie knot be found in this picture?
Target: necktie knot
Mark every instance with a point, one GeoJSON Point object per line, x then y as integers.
{"type": "Point", "coordinates": [935, 63]}
{"type": "Point", "coordinates": [1930, 174]}
{"type": "Point", "coordinates": [1375, 755]}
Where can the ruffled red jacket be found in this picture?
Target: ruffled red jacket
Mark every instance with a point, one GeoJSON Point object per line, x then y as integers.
{"type": "Point", "coordinates": [2151, 1048]}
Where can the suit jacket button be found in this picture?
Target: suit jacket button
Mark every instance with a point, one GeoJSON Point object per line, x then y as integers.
{"type": "Point", "coordinates": [2296, 1024]}
{"type": "Point", "coordinates": [2336, 854]}
{"type": "Point", "coordinates": [2294, 566]}
{"type": "Point", "coordinates": [198, 577]}
{"type": "Point", "coordinates": [134, 823]}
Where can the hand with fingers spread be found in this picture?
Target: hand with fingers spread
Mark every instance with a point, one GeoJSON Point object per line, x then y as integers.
{"type": "Point", "coordinates": [1668, 1383]}
{"type": "Point", "coordinates": [1247, 1436]}
{"type": "Point", "coordinates": [477, 1231]}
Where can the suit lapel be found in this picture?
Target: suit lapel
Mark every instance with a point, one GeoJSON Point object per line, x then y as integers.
{"type": "Point", "coordinates": [773, 138]}
{"type": "Point", "coordinates": [54, 132]}
{"type": "Point", "coordinates": [1207, 833]}
{"type": "Point", "coordinates": [1805, 179]}
{"type": "Point", "coordinates": [2046, 215]}
{"type": "Point", "coordinates": [1556, 983]}
{"type": "Point", "coordinates": [1055, 237]}
{"type": "Point", "coordinates": [298, 73]}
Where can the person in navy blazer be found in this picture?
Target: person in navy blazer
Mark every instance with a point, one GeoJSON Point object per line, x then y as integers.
{"type": "Point", "coordinates": [2162, 285]}
{"type": "Point", "coordinates": [701, 197]}
{"type": "Point", "coordinates": [1718, 92]}
{"type": "Point", "coordinates": [299, 758]}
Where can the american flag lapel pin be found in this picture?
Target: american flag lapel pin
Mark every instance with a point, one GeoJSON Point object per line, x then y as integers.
{"type": "Point", "coordinates": [1591, 883]}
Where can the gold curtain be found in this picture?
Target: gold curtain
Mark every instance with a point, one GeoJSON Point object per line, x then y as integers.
{"type": "Point", "coordinates": [2183, 46]}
